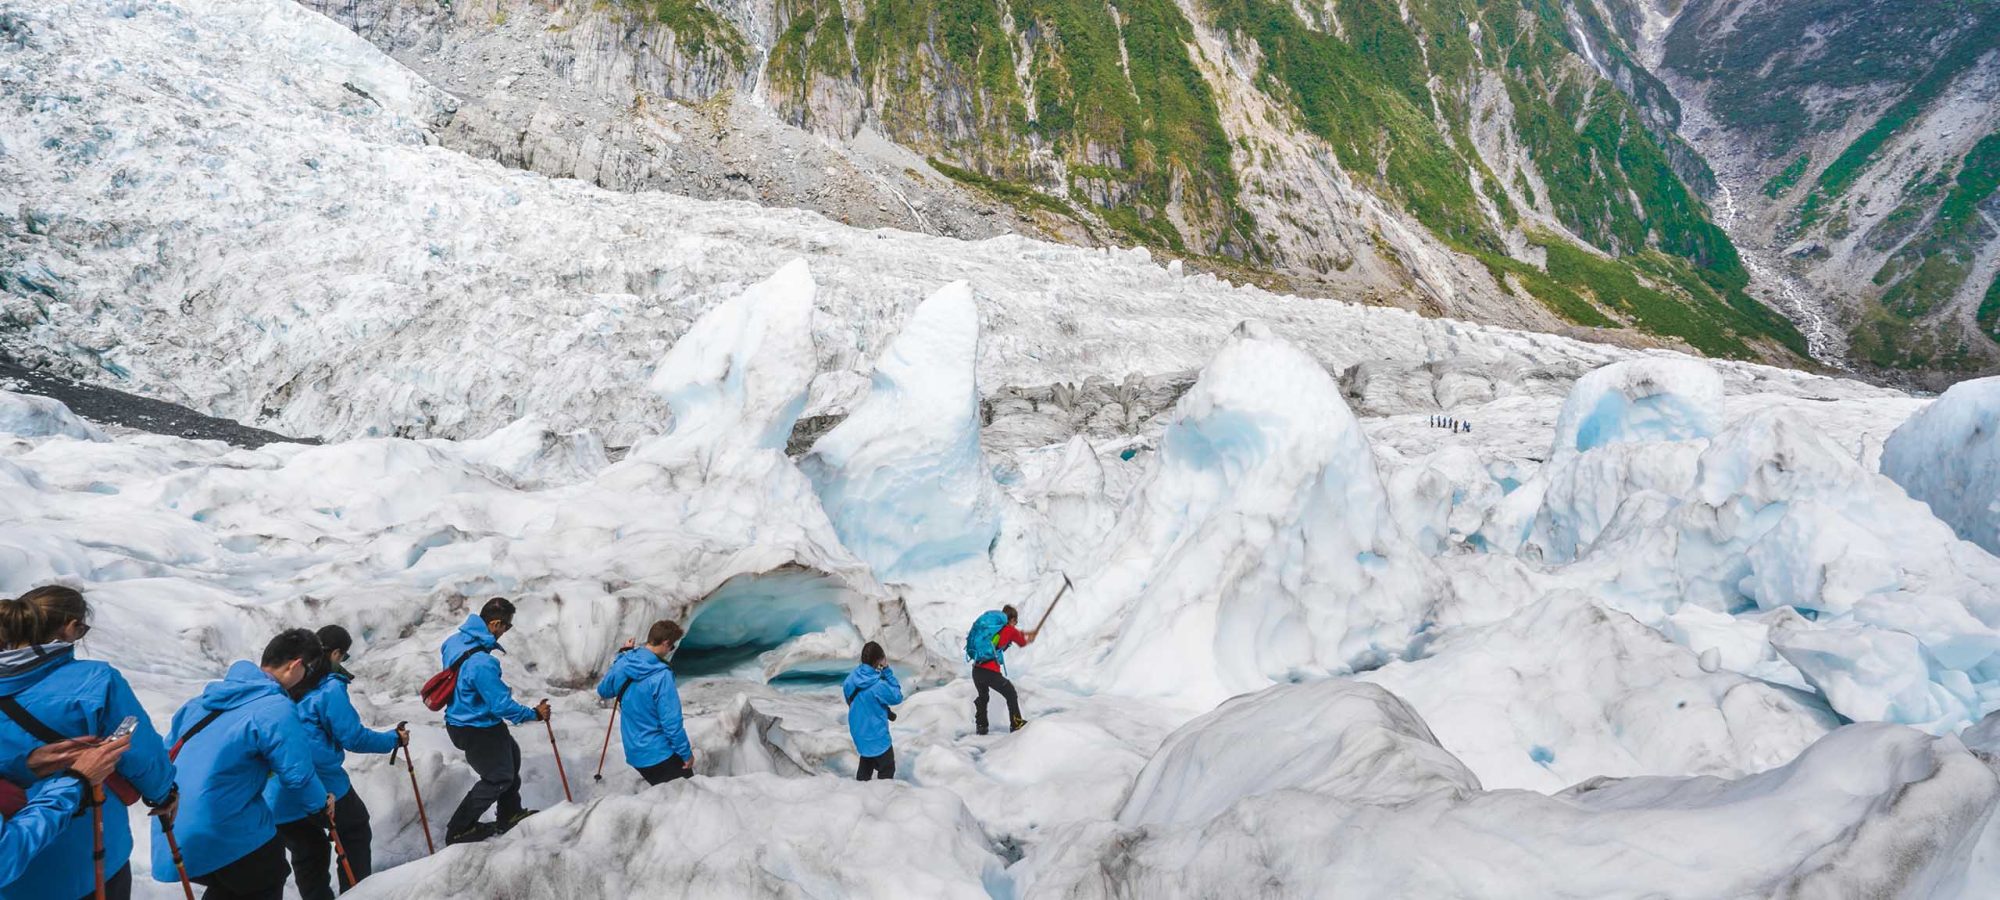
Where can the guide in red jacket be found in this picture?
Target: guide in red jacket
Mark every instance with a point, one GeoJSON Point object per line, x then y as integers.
{"type": "Point", "coordinates": [988, 676]}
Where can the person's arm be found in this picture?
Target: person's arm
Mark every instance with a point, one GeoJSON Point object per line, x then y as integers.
{"type": "Point", "coordinates": [52, 802]}
{"type": "Point", "coordinates": [145, 763]}
{"type": "Point", "coordinates": [607, 687]}
{"type": "Point", "coordinates": [485, 676]}
{"type": "Point", "coordinates": [888, 690]}
{"type": "Point", "coordinates": [290, 756]}
{"type": "Point", "coordinates": [345, 724]}
{"type": "Point", "coordinates": [670, 718]}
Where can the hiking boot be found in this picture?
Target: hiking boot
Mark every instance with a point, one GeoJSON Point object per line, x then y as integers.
{"type": "Point", "coordinates": [1017, 724]}
{"type": "Point", "coordinates": [505, 825]}
{"type": "Point", "coordinates": [478, 832]}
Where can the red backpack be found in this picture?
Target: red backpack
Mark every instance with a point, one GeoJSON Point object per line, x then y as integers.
{"type": "Point", "coordinates": [438, 690]}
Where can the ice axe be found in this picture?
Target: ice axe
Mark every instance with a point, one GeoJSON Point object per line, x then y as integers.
{"type": "Point", "coordinates": [1052, 605]}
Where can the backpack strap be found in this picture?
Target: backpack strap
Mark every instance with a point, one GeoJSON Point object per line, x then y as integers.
{"type": "Point", "coordinates": [462, 657]}
{"type": "Point", "coordinates": [33, 726]}
{"type": "Point", "coordinates": [198, 726]}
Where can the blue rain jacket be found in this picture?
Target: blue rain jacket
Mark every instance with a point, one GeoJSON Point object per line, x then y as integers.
{"type": "Point", "coordinates": [869, 695]}
{"type": "Point", "coordinates": [27, 836]}
{"type": "Point", "coordinates": [650, 710]}
{"type": "Point", "coordinates": [221, 771]}
{"type": "Point", "coordinates": [78, 698]}
{"type": "Point", "coordinates": [481, 699]}
{"type": "Point", "coordinates": [332, 728]}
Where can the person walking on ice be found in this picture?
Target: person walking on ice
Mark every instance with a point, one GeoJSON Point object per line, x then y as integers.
{"type": "Point", "coordinates": [333, 729]}
{"type": "Point", "coordinates": [225, 744]}
{"type": "Point", "coordinates": [655, 737]}
{"type": "Point", "coordinates": [992, 633]}
{"type": "Point", "coordinates": [870, 690]}
{"type": "Point", "coordinates": [476, 720]}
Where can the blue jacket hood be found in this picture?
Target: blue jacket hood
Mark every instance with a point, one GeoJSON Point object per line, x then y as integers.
{"type": "Point", "coordinates": [862, 678]}
{"type": "Point", "coordinates": [244, 683]}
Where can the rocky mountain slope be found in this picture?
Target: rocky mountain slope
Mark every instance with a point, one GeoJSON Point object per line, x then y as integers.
{"type": "Point", "coordinates": [1506, 163]}
{"type": "Point", "coordinates": [1858, 144]}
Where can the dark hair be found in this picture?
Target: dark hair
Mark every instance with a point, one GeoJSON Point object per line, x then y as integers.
{"type": "Point", "coordinates": [39, 615]}
{"type": "Point", "coordinates": [1013, 614]}
{"type": "Point", "coordinates": [871, 654]}
{"type": "Point", "coordinates": [291, 644]}
{"type": "Point", "coordinates": [665, 631]}
{"type": "Point", "coordinates": [334, 637]}
{"type": "Point", "coordinates": [497, 610]}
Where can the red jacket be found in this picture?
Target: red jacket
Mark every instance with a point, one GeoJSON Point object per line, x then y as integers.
{"type": "Point", "coordinates": [1009, 637]}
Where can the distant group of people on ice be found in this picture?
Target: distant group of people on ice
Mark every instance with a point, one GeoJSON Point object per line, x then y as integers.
{"type": "Point", "coordinates": [252, 770]}
{"type": "Point", "coordinates": [1457, 426]}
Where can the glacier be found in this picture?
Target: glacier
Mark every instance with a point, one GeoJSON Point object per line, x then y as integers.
{"type": "Point", "coordinates": [1657, 626]}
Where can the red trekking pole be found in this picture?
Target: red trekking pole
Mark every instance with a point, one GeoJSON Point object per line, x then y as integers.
{"type": "Point", "coordinates": [607, 742]}
{"type": "Point", "coordinates": [340, 850]}
{"type": "Point", "coordinates": [97, 825]}
{"type": "Point", "coordinates": [174, 846]}
{"type": "Point", "coordinates": [421, 815]}
{"type": "Point", "coordinates": [550, 721]}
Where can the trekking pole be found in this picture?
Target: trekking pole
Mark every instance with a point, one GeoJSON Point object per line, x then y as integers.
{"type": "Point", "coordinates": [601, 754]}
{"type": "Point", "coordinates": [174, 846]}
{"type": "Point", "coordinates": [421, 815]}
{"type": "Point", "coordinates": [97, 826]}
{"type": "Point", "coordinates": [550, 721]}
{"type": "Point", "coordinates": [339, 849]}
{"type": "Point", "coordinates": [1052, 605]}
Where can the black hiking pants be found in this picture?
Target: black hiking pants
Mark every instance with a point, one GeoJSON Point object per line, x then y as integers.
{"type": "Point", "coordinates": [492, 753]}
{"type": "Point", "coordinates": [882, 768]}
{"type": "Point", "coordinates": [117, 886]}
{"type": "Point", "coordinates": [313, 855]}
{"type": "Point", "coordinates": [257, 875]}
{"type": "Point", "coordinates": [988, 680]}
{"type": "Point", "coordinates": [672, 768]}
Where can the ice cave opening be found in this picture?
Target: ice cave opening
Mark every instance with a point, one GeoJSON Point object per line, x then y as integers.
{"type": "Point", "coordinates": [788, 626]}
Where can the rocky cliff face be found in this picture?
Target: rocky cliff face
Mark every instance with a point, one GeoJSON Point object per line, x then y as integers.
{"type": "Point", "coordinates": [1516, 163]}
{"type": "Point", "coordinates": [1858, 142]}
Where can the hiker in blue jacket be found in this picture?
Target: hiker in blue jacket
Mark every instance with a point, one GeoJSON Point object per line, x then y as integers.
{"type": "Point", "coordinates": [476, 720]}
{"type": "Point", "coordinates": [240, 732]}
{"type": "Point", "coordinates": [655, 742]}
{"type": "Point", "coordinates": [51, 803]}
{"type": "Point", "coordinates": [870, 690]}
{"type": "Point", "coordinates": [48, 696]}
{"type": "Point", "coordinates": [332, 728]}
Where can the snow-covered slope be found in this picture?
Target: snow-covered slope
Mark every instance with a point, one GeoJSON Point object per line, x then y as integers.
{"type": "Point", "coordinates": [1687, 577]}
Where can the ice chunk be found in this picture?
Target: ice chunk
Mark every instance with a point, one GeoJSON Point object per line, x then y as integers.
{"type": "Point", "coordinates": [1259, 546]}
{"type": "Point", "coordinates": [739, 376]}
{"type": "Point", "coordinates": [1598, 694]}
{"type": "Point", "coordinates": [1948, 455]}
{"type": "Point", "coordinates": [1867, 811]}
{"type": "Point", "coordinates": [32, 416]}
{"type": "Point", "coordinates": [903, 477]}
{"type": "Point", "coordinates": [747, 836]}
{"type": "Point", "coordinates": [1654, 399]}
{"type": "Point", "coordinates": [1336, 738]}
{"type": "Point", "coordinates": [532, 454]}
